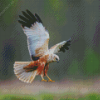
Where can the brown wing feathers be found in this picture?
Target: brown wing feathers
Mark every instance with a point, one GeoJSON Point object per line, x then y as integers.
{"type": "Point", "coordinates": [28, 19]}
{"type": "Point", "coordinates": [31, 67]}
{"type": "Point", "coordinates": [34, 65]}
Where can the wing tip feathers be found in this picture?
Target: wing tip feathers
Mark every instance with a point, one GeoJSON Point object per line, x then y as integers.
{"type": "Point", "coordinates": [30, 18]}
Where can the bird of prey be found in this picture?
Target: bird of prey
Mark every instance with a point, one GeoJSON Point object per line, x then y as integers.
{"type": "Point", "coordinates": [37, 41]}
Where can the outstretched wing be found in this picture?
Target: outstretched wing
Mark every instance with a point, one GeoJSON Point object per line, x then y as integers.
{"type": "Point", "coordinates": [37, 36]}
{"type": "Point", "coordinates": [60, 46]}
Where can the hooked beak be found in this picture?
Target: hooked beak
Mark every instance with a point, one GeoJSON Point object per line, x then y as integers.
{"type": "Point", "coordinates": [57, 61]}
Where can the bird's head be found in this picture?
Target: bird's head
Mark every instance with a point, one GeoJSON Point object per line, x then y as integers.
{"type": "Point", "coordinates": [53, 58]}
{"type": "Point", "coordinates": [56, 58]}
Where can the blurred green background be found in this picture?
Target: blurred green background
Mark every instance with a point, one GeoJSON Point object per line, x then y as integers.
{"type": "Point", "coordinates": [78, 19]}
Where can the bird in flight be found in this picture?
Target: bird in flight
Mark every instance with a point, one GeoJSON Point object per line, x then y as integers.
{"type": "Point", "coordinates": [37, 41]}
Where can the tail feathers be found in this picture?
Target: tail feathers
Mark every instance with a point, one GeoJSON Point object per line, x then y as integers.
{"type": "Point", "coordinates": [21, 74]}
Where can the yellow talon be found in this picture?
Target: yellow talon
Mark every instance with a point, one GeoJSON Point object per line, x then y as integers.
{"type": "Point", "coordinates": [51, 81]}
{"type": "Point", "coordinates": [44, 80]}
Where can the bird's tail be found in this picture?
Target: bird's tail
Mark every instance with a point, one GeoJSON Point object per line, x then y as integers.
{"type": "Point", "coordinates": [23, 75]}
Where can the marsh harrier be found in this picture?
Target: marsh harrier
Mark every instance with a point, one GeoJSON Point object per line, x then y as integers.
{"type": "Point", "coordinates": [37, 40]}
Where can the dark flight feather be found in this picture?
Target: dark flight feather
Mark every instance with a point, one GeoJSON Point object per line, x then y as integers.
{"type": "Point", "coordinates": [38, 18]}
{"type": "Point", "coordinates": [23, 18]}
{"type": "Point", "coordinates": [28, 19]}
{"type": "Point", "coordinates": [34, 58]}
{"type": "Point", "coordinates": [30, 13]}
{"type": "Point", "coordinates": [66, 46]}
{"type": "Point", "coordinates": [26, 15]}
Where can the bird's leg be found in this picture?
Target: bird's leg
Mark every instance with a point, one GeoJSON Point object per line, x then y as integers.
{"type": "Point", "coordinates": [43, 79]}
{"type": "Point", "coordinates": [49, 79]}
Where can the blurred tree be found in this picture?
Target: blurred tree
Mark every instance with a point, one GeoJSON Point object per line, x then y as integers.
{"type": "Point", "coordinates": [8, 55]}
{"type": "Point", "coordinates": [91, 63]}
{"type": "Point", "coordinates": [55, 8]}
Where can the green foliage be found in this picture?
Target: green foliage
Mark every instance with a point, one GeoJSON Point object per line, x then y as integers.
{"type": "Point", "coordinates": [47, 97]}
{"type": "Point", "coordinates": [16, 97]}
{"type": "Point", "coordinates": [92, 96]}
{"type": "Point", "coordinates": [73, 69]}
{"type": "Point", "coordinates": [55, 7]}
{"type": "Point", "coordinates": [91, 63]}
{"type": "Point", "coordinates": [9, 11]}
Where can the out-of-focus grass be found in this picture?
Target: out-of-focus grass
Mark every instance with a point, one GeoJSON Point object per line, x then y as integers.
{"type": "Point", "coordinates": [16, 97]}
{"type": "Point", "coordinates": [92, 96]}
